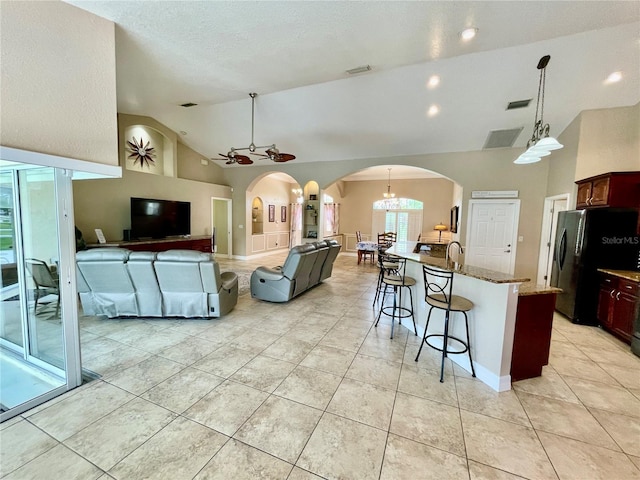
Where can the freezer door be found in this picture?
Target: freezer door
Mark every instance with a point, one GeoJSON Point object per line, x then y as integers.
{"type": "Point", "coordinates": [566, 261]}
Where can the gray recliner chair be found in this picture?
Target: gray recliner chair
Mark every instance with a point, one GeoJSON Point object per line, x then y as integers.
{"type": "Point", "coordinates": [192, 285]}
{"type": "Point", "coordinates": [104, 271]}
{"type": "Point", "coordinates": [143, 276]}
{"type": "Point", "coordinates": [303, 269]}
{"type": "Point", "coordinates": [327, 267]}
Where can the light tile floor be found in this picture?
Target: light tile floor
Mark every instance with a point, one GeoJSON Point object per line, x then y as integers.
{"type": "Point", "coordinates": [309, 389]}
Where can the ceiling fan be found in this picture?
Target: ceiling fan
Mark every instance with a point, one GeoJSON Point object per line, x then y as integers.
{"type": "Point", "coordinates": [271, 152]}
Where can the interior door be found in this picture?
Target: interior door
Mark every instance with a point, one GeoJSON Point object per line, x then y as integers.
{"type": "Point", "coordinates": [220, 221]}
{"type": "Point", "coordinates": [547, 247]}
{"type": "Point", "coordinates": [492, 234]}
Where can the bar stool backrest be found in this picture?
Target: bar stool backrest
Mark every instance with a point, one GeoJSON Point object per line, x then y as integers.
{"type": "Point", "coordinates": [437, 284]}
{"type": "Point", "coordinates": [399, 270]}
{"type": "Point", "coordinates": [358, 236]}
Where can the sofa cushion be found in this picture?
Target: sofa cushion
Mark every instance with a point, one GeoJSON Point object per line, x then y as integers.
{"type": "Point", "coordinates": [183, 256]}
{"type": "Point", "coordinates": [142, 256]}
{"type": "Point", "coordinates": [103, 254]}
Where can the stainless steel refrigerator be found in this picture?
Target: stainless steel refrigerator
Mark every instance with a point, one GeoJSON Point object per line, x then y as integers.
{"type": "Point", "coordinates": [585, 241]}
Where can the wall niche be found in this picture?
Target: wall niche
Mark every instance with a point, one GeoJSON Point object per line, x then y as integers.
{"type": "Point", "coordinates": [157, 159]}
{"type": "Point", "coordinates": [257, 214]}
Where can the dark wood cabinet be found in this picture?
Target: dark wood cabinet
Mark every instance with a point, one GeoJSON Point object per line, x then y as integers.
{"type": "Point", "coordinates": [615, 189]}
{"type": "Point", "coordinates": [617, 306]}
{"type": "Point", "coordinates": [532, 336]}
{"type": "Point", "coordinates": [201, 244]}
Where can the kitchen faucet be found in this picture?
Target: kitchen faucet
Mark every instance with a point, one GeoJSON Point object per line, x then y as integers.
{"type": "Point", "coordinates": [449, 247]}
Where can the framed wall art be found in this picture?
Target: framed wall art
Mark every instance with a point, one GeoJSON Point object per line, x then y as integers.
{"type": "Point", "coordinates": [283, 213]}
{"type": "Point", "coordinates": [272, 213]}
{"type": "Point", "coordinates": [453, 227]}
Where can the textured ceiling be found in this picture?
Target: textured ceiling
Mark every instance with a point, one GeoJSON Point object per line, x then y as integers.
{"type": "Point", "coordinates": [294, 54]}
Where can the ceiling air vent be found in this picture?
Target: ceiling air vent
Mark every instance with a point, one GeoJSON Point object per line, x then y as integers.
{"type": "Point", "coordinates": [362, 69]}
{"type": "Point", "coordinates": [189, 104]}
{"type": "Point", "coordinates": [502, 138]}
{"type": "Point", "coordinates": [519, 104]}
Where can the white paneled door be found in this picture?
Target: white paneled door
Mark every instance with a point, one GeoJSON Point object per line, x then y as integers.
{"type": "Point", "coordinates": [492, 234]}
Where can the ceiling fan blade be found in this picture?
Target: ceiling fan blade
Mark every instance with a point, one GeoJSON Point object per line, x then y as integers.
{"type": "Point", "coordinates": [287, 157]}
{"type": "Point", "coordinates": [243, 160]}
{"type": "Point", "coordinates": [230, 162]}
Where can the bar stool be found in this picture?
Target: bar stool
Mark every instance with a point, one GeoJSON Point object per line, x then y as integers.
{"type": "Point", "coordinates": [387, 265]}
{"type": "Point", "coordinates": [438, 286]}
{"type": "Point", "coordinates": [397, 280]}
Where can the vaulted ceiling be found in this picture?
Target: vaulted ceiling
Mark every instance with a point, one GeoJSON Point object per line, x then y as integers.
{"type": "Point", "coordinates": [295, 54]}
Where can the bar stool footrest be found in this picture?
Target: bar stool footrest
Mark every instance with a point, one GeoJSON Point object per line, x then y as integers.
{"type": "Point", "coordinates": [400, 312]}
{"type": "Point", "coordinates": [440, 335]}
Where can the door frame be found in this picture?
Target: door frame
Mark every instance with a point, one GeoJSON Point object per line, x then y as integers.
{"type": "Point", "coordinates": [545, 236]}
{"type": "Point", "coordinates": [514, 235]}
{"type": "Point", "coordinates": [229, 202]}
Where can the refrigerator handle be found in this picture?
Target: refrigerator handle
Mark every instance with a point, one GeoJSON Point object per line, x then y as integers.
{"type": "Point", "coordinates": [562, 249]}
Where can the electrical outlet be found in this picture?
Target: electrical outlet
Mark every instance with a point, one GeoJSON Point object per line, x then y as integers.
{"type": "Point", "coordinates": [520, 239]}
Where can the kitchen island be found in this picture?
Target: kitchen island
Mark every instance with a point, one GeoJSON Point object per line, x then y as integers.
{"type": "Point", "coordinates": [491, 321]}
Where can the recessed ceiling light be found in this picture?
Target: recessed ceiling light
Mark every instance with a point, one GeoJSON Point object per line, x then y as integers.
{"type": "Point", "coordinates": [468, 33]}
{"type": "Point", "coordinates": [433, 110]}
{"type": "Point", "coordinates": [182, 132]}
{"type": "Point", "coordinates": [614, 77]}
{"type": "Point", "coordinates": [434, 81]}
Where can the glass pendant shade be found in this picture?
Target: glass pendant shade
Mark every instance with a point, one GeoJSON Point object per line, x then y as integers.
{"type": "Point", "coordinates": [547, 144]}
{"type": "Point", "coordinates": [526, 158]}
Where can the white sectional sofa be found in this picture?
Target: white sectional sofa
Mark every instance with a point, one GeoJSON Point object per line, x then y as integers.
{"type": "Point", "coordinates": [117, 282]}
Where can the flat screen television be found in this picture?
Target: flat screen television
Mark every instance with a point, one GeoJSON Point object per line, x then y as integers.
{"type": "Point", "coordinates": [151, 218]}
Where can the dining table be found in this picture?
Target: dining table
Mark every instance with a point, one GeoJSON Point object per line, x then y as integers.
{"type": "Point", "coordinates": [366, 246]}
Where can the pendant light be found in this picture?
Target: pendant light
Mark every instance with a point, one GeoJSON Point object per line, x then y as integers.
{"type": "Point", "coordinates": [540, 144]}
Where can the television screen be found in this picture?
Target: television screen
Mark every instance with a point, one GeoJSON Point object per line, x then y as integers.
{"type": "Point", "coordinates": [159, 218]}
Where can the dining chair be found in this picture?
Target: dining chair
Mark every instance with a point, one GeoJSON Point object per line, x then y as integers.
{"type": "Point", "coordinates": [364, 254]}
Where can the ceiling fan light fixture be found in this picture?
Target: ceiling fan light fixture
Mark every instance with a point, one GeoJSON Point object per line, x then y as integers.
{"type": "Point", "coordinates": [272, 153]}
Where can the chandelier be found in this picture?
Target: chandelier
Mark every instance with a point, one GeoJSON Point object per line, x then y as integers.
{"type": "Point", "coordinates": [271, 152]}
{"type": "Point", "coordinates": [388, 193]}
{"type": "Point", "coordinates": [540, 144]}
{"type": "Point", "coordinates": [390, 200]}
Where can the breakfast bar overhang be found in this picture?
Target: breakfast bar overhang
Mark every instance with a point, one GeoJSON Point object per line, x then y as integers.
{"type": "Point", "coordinates": [491, 321]}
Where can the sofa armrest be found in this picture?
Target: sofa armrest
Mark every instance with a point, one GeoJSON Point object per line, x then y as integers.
{"type": "Point", "coordinates": [229, 280]}
{"type": "Point", "coordinates": [268, 273]}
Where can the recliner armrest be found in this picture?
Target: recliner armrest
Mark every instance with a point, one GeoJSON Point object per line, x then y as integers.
{"type": "Point", "coordinates": [268, 273]}
{"type": "Point", "coordinates": [229, 280]}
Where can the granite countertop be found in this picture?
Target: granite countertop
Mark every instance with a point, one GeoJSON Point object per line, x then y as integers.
{"type": "Point", "coordinates": [626, 274]}
{"type": "Point", "coordinates": [530, 288]}
{"type": "Point", "coordinates": [405, 250]}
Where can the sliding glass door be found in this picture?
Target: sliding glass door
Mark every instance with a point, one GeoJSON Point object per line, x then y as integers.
{"type": "Point", "coordinates": [38, 338]}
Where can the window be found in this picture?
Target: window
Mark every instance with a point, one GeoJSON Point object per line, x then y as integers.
{"type": "Point", "coordinates": [404, 217]}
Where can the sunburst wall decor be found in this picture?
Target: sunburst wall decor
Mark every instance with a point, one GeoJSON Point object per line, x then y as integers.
{"type": "Point", "coordinates": [141, 153]}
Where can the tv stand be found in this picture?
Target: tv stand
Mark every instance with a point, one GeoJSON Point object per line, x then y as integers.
{"type": "Point", "coordinates": [200, 243]}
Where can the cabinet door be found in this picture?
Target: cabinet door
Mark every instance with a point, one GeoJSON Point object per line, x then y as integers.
{"type": "Point", "coordinates": [600, 192]}
{"type": "Point", "coordinates": [606, 298]}
{"type": "Point", "coordinates": [624, 311]}
{"type": "Point", "coordinates": [584, 194]}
